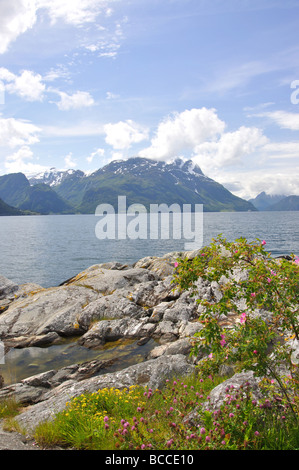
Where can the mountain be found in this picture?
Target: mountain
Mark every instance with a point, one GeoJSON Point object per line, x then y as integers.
{"type": "Point", "coordinates": [143, 181]}
{"type": "Point", "coordinates": [44, 200]}
{"type": "Point", "coordinates": [289, 203]}
{"type": "Point", "coordinates": [146, 182]}
{"type": "Point", "coordinates": [54, 177]}
{"type": "Point", "coordinates": [15, 190]}
{"type": "Point", "coordinates": [5, 209]}
{"type": "Point", "coordinates": [263, 200]}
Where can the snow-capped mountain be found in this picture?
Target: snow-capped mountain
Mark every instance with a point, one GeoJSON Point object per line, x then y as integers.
{"type": "Point", "coordinates": [147, 181]}
{"type": "Point", "coordinates": [54, 177]}
{"type": "Point", "coordinates": [142, 180]}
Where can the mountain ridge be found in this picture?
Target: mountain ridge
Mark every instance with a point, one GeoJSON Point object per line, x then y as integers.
{"type": "Point", "coordinates": [141, 180]}
{"type": "Point", "coordinates": [267, 202]}
{"type": "Point", "coordinates": [147, 181]}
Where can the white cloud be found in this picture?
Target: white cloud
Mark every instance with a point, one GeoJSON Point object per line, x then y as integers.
{"type": "Point", "coordinates": [98, 153]}
{"type": "Point", "coordinates": [75, 12]}
{"type": "Point", "coordinates": [183, 132]}
{"type": "Point", "coordinates": [282, 150]}
{"type": "Point", "coordinates": [283, 119]}
{"type": "Point", "coordinates": [123, 134]}
{"type": "Point", "coordinates": [230, 149]}
{"type": "Point", "coordinates": [237, 76]}
{"type": "Point", "coordinates": [15, 133]}
{"type": "Point", "coordinates": [80, 99]}
{"type": "Point", "coordinates": [83, 128]}
{"type": "Point", "coordinates": [251, 183]}
{"type": "Point", "coordinates": [18, 162]}
{"type": "Point", "coordinates": [16, 17]}
{"type": "Point", "coordinates": [69, 163]}
{"type": "Point", "coordinates": [111, 96]}
{"type": "Point", "coordinates": [28, 85]}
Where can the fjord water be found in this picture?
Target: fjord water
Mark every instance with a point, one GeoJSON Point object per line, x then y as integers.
{"type": "Point", "coordinates": [48, 250]}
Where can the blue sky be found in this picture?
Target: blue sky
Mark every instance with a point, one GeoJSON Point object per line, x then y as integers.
{"type": "Point", "coordinates": [84, 82]}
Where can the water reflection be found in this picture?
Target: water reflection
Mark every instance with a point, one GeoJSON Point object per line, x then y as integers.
{"type": "Point", "coordinates": [23, 363]}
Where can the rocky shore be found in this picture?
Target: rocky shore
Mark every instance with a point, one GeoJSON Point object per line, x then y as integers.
{"type": "Point", "coordinates": [102, 304]}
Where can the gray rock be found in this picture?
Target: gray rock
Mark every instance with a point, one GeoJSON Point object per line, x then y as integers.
{"type": "Point", "coordinates": [218, 395]}
{"type": "Point", "coordinates": [181, 346]}
{"type": "Point", "coordinates": [35, 389]}
{"type": "Point", "coordinates": [163, 266]}
{"type": "Point", "coordinates": [152, 373]}
{"type": "Point", "coordinates": [49, 310]}
{"type": "Point", "coordinates": [155, 292]}
{"type": "Point", "coordinates": [7, 287]}
{"type": "Point", "coordinates": [114, 306]}
{"type": "Point", "coordinates": [63, 309]}
{"type": "Point", "coordinates": [112, 330]}
{"type": "Point", "coordinates": [16, 441]}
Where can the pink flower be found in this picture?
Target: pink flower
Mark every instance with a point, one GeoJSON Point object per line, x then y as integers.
{"type": "Point", "coordinates": [208, 439]}
{"type": "Point", "coordinates": [168, 443]}
{"type": "Point", "coordinates": [202, 431]}
{"type": "Point", "coordinates": [106, 419]}
{"type": "Point", "coordinates": [255, 351]}
{"type": "Point", "coordinates": [210, 356]}
{"type": "Point", "coordinates": [269, 280]}
{"type": "Point", "coordinates": [253, 294]}
{"type": "Point", "coordinates": [257, 433]}
{"type": "Point", "coordinates": [176, 264]}
{"type": "Point", "coordinates": [222, 342]}
{"type": "Point", "coordinates": [263, 242]}
{"type": "Point", "coordinates": [243, 318]}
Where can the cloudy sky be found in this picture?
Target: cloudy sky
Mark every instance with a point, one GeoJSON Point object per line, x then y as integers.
{"type": "Point", "coordinates": [84, 82]}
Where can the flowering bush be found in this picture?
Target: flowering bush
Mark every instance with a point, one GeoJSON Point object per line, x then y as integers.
{"type": "Point", "coordinates": [259, 295]}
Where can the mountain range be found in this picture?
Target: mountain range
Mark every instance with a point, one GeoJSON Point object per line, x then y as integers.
{"type": "Point", "coordinates": [143, 181]}
{"type": "Point", "coordinates": [267, 202]}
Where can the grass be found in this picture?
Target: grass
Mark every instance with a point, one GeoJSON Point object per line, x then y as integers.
{"type": "Point", "coordinates": [141, 418]}
{"type": "Point", "coordinates": [9, 408]}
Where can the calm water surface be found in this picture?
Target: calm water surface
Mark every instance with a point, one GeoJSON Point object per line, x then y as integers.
{"type": "Point", "coordinates": [48, 250]}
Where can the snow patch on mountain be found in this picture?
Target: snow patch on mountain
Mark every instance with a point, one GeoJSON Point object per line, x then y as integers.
{"type": "Point", "coordinates": [53, 177]}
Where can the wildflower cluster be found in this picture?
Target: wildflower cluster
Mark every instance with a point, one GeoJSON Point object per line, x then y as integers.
{"type": "Point", "coordinates": [164, 419]}
{"type": "Point", "coordinates": [251, 283]}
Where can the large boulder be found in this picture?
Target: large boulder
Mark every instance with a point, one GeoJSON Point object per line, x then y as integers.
{"type": "Point", "coordinates": [99, 292]}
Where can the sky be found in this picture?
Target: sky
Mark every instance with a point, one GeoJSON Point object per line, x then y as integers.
{"type": "Point", "coordinates": [85, 82]}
